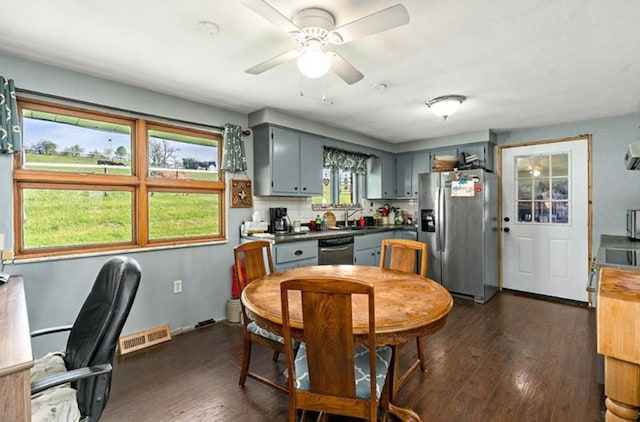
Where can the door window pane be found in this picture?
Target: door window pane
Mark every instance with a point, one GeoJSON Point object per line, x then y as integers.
{"type": "Point", "coordinates": [543, 188]}
{"type": "Point", "coordinates": [178, 215]}
{"type": "Point", "coordinates": [54, 141]}
{"type": "Point", "coordinates": [525, 191]}
{"type": "Point", "coordinates": [64, 217]}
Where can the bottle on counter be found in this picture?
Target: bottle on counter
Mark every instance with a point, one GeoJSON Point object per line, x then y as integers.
{"type": "Point", "coordinates": [325, 224]}
{"type": "Point", "coordinates": [318, 222]}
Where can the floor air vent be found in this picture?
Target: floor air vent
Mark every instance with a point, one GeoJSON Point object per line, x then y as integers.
{"type": "Point", "coordinates": [143, 339]}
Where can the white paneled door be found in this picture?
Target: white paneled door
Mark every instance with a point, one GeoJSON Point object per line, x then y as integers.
{"type": "Point", "coordinates": [545, 218]}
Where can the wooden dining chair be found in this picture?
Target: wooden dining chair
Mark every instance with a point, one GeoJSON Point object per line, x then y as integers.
{"type": "Point", "coordinates": [250, 265]}
{"type": "Point", "coordinates": [329, 373]}
{"type": "Point", "coordinates": [403, 256]}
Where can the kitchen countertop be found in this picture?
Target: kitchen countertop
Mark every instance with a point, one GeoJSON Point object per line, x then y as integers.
{"type": "Point", "coordinates": [621, 244]}
{"type": "Point", "coordinates": [608, 241]}
{"type": "Point", "coordinates": [329, 234]}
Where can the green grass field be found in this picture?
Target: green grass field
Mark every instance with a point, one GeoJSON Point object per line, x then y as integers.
{"type": "Point", "coordinates": [55, 217]}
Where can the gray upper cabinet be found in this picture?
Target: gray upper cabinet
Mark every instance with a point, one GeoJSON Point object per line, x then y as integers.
{"type": "Point", "coordinates": [408, 166]}
{"type": "Point", "coordinates": [484, 151]}
{"type": "Point", "coordinates": [287, 162]}
{"type": "Point", "coordinates": [381, 176]}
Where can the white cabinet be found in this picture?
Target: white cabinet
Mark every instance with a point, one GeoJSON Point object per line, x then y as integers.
{"type": "Point", "coordinates": [408, 166]}
{"type": "Point", "coordinates": [381, 176]}
{"type": "Point", "coordinates": [287, 162]}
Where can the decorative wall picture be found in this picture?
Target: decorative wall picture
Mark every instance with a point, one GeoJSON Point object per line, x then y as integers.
{"type": "Point", "coordinates": [241, 194]}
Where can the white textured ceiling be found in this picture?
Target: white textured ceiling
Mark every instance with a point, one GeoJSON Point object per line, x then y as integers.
{"type": "Point", "coordinates": [521, 63]}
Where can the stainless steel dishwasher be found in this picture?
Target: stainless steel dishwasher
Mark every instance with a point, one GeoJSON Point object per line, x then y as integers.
{"type": "Point", "coordinates": [337, 250]}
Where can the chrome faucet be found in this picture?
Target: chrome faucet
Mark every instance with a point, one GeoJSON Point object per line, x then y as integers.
{"type": "Point", "coordinates": [347, 215]}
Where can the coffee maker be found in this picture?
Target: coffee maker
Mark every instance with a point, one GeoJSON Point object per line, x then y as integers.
{"type": "Point", "coordinates": [278, 220]}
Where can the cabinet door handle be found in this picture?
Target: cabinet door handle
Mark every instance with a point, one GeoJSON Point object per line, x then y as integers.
{"type": "Point", "coordinates": [304, 188]}
{"type": "Point", "coordinates": [296, 188]}
{"type": "Point", "coordinates": [298, 252]}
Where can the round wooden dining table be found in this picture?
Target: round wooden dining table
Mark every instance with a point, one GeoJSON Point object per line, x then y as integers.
{"type": "Point", "coordinates": [407, 306]}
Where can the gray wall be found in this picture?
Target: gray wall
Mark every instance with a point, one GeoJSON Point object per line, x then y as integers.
{"type": "Point", "coordinates": [614, 188]}
{"type": "Point", "coordinates": [56, 288]}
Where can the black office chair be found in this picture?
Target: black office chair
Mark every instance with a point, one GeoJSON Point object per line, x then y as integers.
{"type": "Point", "coordinates": [85, 365]}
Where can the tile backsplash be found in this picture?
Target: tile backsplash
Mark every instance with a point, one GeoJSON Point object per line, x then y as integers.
{"type": "Point", "coordinates": [300, 208]}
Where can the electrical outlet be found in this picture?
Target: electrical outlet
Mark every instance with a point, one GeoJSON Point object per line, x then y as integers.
{"type": "Point", "coordinates": [177, 286]}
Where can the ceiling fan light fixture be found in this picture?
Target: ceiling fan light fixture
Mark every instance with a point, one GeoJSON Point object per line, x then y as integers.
{"type": "Point", "coordinates": [314, 63]}
{"type": "Point", "coordinates": [446, 105]}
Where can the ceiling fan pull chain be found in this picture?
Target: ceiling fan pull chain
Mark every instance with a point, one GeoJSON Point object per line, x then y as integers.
{"type": "Point", "coordinates": [324, 97]}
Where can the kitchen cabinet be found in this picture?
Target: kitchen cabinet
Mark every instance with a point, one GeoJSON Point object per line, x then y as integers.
{"type": "Point", "coordinates": [381, 176]}
{"type": "Point", "coordinates": [408, 166]}
{"type": "Point", "coordinates": [287, 162]}
{"type": "Point", "coordinates": [484, 151]}
{"type": "Point", "coordinates": [442, 151]}
{"type": "Point", "coordinates": [367, 248]}
{"type": "Point", "coordinates": [618, 325]}
{"type": "Point", "coordinates": [296, 254]}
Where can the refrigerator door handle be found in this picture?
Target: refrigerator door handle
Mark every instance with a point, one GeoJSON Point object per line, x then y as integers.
{"type": "Point", "coordinates": [440, 220]}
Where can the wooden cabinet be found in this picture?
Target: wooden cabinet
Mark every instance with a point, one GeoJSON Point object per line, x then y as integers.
{"type": "Point", "coordinates": [381, 176]}
{"type": "Point", "coordinates": [16, 358]}
{"type": "Point", "coordinates": [287, 162]}
{"type": "Point", "coordinates": [295, 254]}
{"type": "Point", "coordinates": [408, 166]}
{"type": "Point", "coordinates": [618, 316]}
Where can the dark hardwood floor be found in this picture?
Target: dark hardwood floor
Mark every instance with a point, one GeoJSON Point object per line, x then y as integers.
{"type": "Point", "coordinates": [515, 358]}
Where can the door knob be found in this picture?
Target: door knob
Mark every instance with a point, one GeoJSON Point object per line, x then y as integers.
{"type": "Point", "coordinates": [507, 219]}
{"type": "Point", "coordinates": [506, 229]}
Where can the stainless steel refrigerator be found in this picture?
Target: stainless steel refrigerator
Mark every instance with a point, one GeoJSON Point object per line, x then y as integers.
{"type": "Point", "coordinates": [459, 224]}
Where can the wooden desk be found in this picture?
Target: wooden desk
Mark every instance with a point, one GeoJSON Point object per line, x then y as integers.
{"type": "Point", "coordinates": [16, 358]}
{"type": "Point", "coordinates": [407, 306]}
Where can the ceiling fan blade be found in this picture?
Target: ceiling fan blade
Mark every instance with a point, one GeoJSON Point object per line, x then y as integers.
{"type": "Point", "coordinates": [268, 12]}
{"type": "Point", "coordinates": [344, 69]}
{"type": "Point", "coordinates": [379, 21]}
{"type": "Point", "coordinates": [273, 62]}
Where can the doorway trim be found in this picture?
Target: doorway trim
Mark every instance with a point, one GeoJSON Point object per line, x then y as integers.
{"type": "Point", "coordinates": [588, 139]}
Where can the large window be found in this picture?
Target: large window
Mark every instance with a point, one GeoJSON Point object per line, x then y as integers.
{"type": "Point", "coordinates": [88, 181]}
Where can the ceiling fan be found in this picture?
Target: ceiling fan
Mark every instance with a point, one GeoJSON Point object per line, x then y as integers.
{"type": "Point", "coordinates": [314, 29]}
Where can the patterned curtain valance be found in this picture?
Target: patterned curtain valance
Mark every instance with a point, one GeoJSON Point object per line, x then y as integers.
{"type": "Point", "coordinates": [345, 160]}
{"type": "Point", "coordinates": [10, 136]}
{"type": "Point", "coordinates": [234, 158]}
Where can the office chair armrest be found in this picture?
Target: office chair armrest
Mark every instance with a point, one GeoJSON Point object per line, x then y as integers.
{"type": "Point", "coordinates": [69, 376]}
{"type": "Point", "coordinates": [51, 330]}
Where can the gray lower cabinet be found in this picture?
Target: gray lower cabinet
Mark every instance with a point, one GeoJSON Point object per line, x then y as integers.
{"type": "Point", "coordinates": [287, 162]}
{"type": "Point", "coordinates": [367, 248]}
{"type": "Point", "coordinates": [295, 254]}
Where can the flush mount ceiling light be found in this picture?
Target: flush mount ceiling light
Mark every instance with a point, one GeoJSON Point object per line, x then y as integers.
{"type": "Point", "coordinates": [446, 105]}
